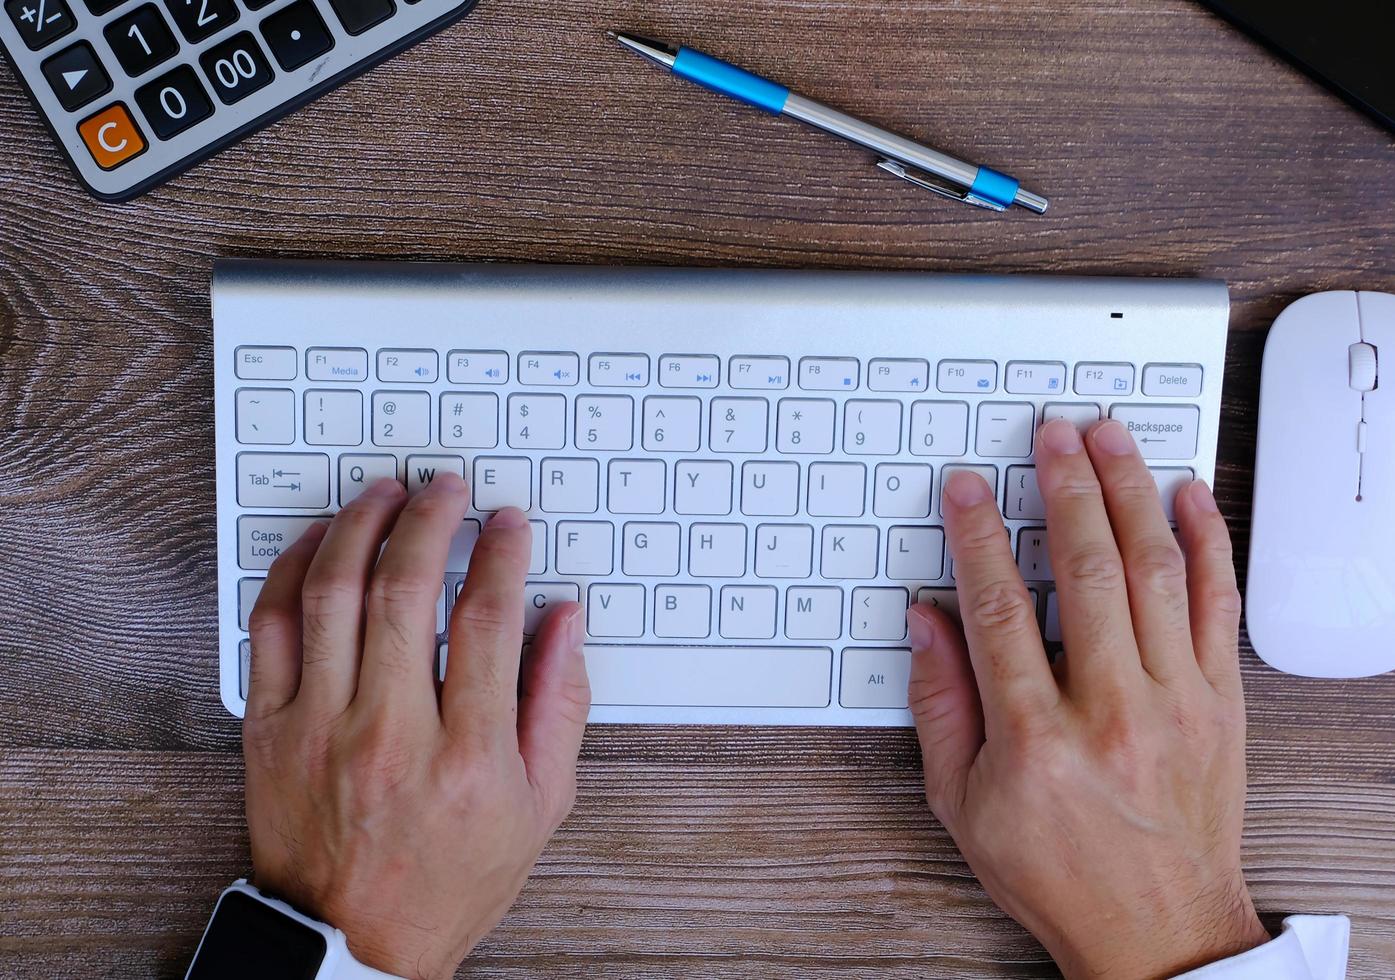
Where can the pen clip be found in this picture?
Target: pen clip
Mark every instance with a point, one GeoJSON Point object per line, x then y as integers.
{"type": "Point", "coordinates": [921, 178]}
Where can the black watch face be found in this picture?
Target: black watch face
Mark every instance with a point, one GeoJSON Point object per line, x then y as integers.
{"type": "Point", "coordinates": [248, 939]}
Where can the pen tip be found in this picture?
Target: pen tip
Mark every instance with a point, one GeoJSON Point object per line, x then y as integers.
{"type": "Point", "coordinates": [612, 35]}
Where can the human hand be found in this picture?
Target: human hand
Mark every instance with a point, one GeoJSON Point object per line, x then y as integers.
{"type": "Point", "coordinates": [1100, 802]}
{"type": "Point", "coordinates": [405, 816]}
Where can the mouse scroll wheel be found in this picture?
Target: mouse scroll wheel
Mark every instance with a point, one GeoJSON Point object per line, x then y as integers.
{"type": "Point", "coordinates": [1361, 358]}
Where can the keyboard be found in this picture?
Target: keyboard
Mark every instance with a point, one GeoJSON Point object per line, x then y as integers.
{"type": "Point", "coordinates": [737, 473]}
{"type": "Point", "coordinates": [135, 92]}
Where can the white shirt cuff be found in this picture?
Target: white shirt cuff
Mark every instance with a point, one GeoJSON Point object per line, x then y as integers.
{"type": "Point", "coordinates": [1311, 947]}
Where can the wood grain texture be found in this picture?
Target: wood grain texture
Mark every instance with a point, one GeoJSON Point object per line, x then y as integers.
{"type": "Point", "coordinates": [1168, 144]}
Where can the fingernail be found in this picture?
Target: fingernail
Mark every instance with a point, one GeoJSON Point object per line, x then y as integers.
{"type": "Point", "coordinates": [1061, 437]}
{"type": "Point", "coordinates": [386, 487]}
{"type": "Point", "coordinates": [1113, 438]}
{"type": "Point", "coordinates": [1203, 498]}
{"type": "Point", "coordinates": [509, 517]}
{"type": "Point", "coordinates": [966, 489]}
{"type": "Point", "coordinates": [922, 629]}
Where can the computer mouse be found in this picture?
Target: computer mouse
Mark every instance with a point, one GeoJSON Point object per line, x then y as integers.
{"type": "Point", "coordinates": [1320, 600]}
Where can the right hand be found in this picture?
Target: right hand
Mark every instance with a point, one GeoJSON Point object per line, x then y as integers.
{"type": "Point", "coordinates": [1100, 803]}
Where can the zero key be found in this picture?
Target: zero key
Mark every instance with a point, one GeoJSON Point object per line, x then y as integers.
{"type": "Point", "coordinates": [111, 136]}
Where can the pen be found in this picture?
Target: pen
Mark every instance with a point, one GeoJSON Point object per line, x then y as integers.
{"type": "Point", "coordinates": [920, 165]}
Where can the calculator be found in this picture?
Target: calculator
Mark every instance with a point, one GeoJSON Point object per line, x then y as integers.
{"type": "Point", "coordinates": [137, 91]}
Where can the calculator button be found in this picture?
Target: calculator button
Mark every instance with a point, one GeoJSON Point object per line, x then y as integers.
{"type": "Point", "coordinates": [359, 15]}
{"type": "Point", "coordinates": [296, 35]}
{"type": "Point", "coordinates": [76, 76]}
{"type": "Point", "coordinates": [140, 39]}
{"type": "Point", "coordinates": [40, 22]}
{"type": "Point", "coordinates": [111, 136]}
{"type": "Point", "coordinates": [236, 68]}
{"type": "Point", "coordinates": [199, 19]}
{"type": "Point", "coordinates": [174, 102]}
{"type": "Point", "coordinates": [102, 6]}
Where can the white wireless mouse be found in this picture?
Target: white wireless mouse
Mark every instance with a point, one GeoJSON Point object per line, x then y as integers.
{"type": "Point", "coordinates": [1320, 599]}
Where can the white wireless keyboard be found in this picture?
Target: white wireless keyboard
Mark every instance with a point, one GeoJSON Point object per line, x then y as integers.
{"type": "Point", "coordinates": [737, 472]}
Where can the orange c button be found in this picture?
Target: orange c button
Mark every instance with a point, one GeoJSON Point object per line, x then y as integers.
{"type": "Point", "coordinates": [111, 136]}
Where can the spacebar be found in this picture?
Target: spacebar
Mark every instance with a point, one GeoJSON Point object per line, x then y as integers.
{"type": "Point", "coordinates": [695, 677]}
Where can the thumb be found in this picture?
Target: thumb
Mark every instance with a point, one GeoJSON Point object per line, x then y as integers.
{"type": "Point", "coordinates": [944, 700]}
{"type": "Point", "coordinates": [553, 702]}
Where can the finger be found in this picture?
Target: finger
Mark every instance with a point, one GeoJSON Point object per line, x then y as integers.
{"type": "Point", "coordinates": [1096, 625]}
{"type": "Point", "coordinates": [274, 626]}
{"type": "Point", "coordinates": [1154, 571]}
{"type": "Point", "coordinates": [1215, 600]}
{"type": "Point", "coordinates": [480, 694]}
{"type": "Point", "coordinates": [553, 704]}
{"type": "Point", "coordinates": [944, 702]}
{"type": "Point", "coordinates": [399, 640]}
{"type": "Point", "coordinates": [1014, 679]}
{"type": "Point", "coordinates": [332, 599]}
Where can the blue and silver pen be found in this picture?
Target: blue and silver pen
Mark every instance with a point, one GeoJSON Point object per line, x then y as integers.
{"type": "Point", "coordinates": [922, 166]}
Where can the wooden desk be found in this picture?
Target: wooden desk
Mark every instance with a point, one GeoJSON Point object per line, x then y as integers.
{"type": "Point", "coordinates": [1168, 144]}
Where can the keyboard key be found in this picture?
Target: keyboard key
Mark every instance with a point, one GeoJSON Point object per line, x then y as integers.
{"type": "Point", "coordinates": [1005, 429]}
{"type": "Point", "coordinates": [769, 677]}
{"type": "Point", "coordinates": [989, 474]}
{"type": "Point", "coordinates": [759, 373]}
{"type": "Point", "coordinates": [265, 416]}
{"type": "Point", "coordinates": [336, 364]}
{"type": "Point", "coordinates": [265, 363]}
{"type": "Point", "coordinates": [650, 549]}
{"type": "Point", "coordinates": [945, 600]}
{"type": "Point", "coordinates": [636, 486]}
{"type": "Point", "coordinates": [672, 424]}
{"type": "Point", "coordinates": [1023, 501]}
{"type": "Point", "coordinates": [872, 428]}
{"type": "Point", "coordinates": [571, 486]}
{"type": "Point", "coordinates": [358, 473]}
{"type": "Point", "coordinates": [1033, 556]}
{"type": "Point", "coordinates": [615, 610]}
{"type": "Point", "coordinates": [359, 15]}
{"type": "Point", "coordinates": [244, 668]}
{"type": "Point", "coordinates": [939, 429]}
{"type": "Point", "coordinates": [1051, 630]}
{"type": "Point", "coordinates": [1035, 378]}
{"type": "Point", "coordinates": [477, 367]}
{"type": "Point", "coordinates": [1081, 414]}
{"type": "Point", "coordinates": [605, 423]}
{"type": "Point", "coordinates": [401, 418]}
{"type": "Point", "coordinates": [915, 553]}
{"type": "Point", "coordinates": [140, 39]}
{"type": "Point", "coordinates": [261, 538]}
{"type": "Point", "coordinates": [879, 614]}
{"type": "Point", "coordinates": [887, 374]}
{"type": "Point", "coordinates": [537, 559]}
{"type": "Point", "coordinates": [784, 550]}
{"type": "Point", "coordinates": [805, 425]}
{"type": "Point", "coordinates": [1161, 431]}
{"type": "Point", "coordinates": [1172, 380]}
{"type": "Point", "coordinates": [200, 19]}
{"type": "Point", "coordinates": [902, 490]}
{"type": "Point", "coordinates": [747, 612]}
{"type": "Point", "coordinates": [462, 546]}
{"type": "Point", "coordinates": [470, 420]}
{"type": "Point", "coordinates": [966, 376]}
{"type": "Point", "coordinates": [539, 597]}
{"type": "Point", "coordinates": [848, 551]}
{"type": "Point", "coordinates": [814, 613]}
{"type": "Point", "coordinates": [248, 590]}
{"type": "Point", "coordinates": [702, 486]}
{"type": "Point", "coordinates": [297, 35]}
{"type": "Point", "coordinates": [717, 550]}
{"type": "Point", "coordinates": [76, 76]}
{"type": "Point", "coordinates": [585, 548]}
{"type": "Point", "coordinates": [1103, 379]}
{"type": "Point", "coordinates": [739, 425]}
{"type": "Point", "coordinates": [40, 22]}
{"type": "Point", "coordinates": [875, 678]}
{"type": "Point", "coordinates": [618, 370]}
{"type": "Point", "coordinates": [837, 489]}
{"type": "Point", "coordinates": [689, 371]}
{"type": "Point", "coordinates": [828, 373]}
{"type": "Point", "coordinates": [502, 481]}
{"type": "Point", "coordinates": [683, 612]}
{"type": "Point", "coordinates": [770, 489]}
{"type": "Point", "coordinates": [547, 370]}
{"type": "Point", "coordinates": [174, 102]}
{"type": "Point", "coordinates": [1169, 481]}
{"type": "Point", "coordinates": [334, 417]}
{"type": "Point", "coordinates": [397, 366]}
{"type": "Point", "coordinates": [111, 136]}
{"type": "Point", "coordinates": [235, 69]}
{"type": "Point", "coordinates": [422, 470]}
{"type": "Point", "coordinates": [283, 480]}
{"type": "Point", "coordinates": [537, 421]}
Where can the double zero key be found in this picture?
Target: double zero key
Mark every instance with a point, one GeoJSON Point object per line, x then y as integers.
{"type": "Point", "coordinates": [236, 68]}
